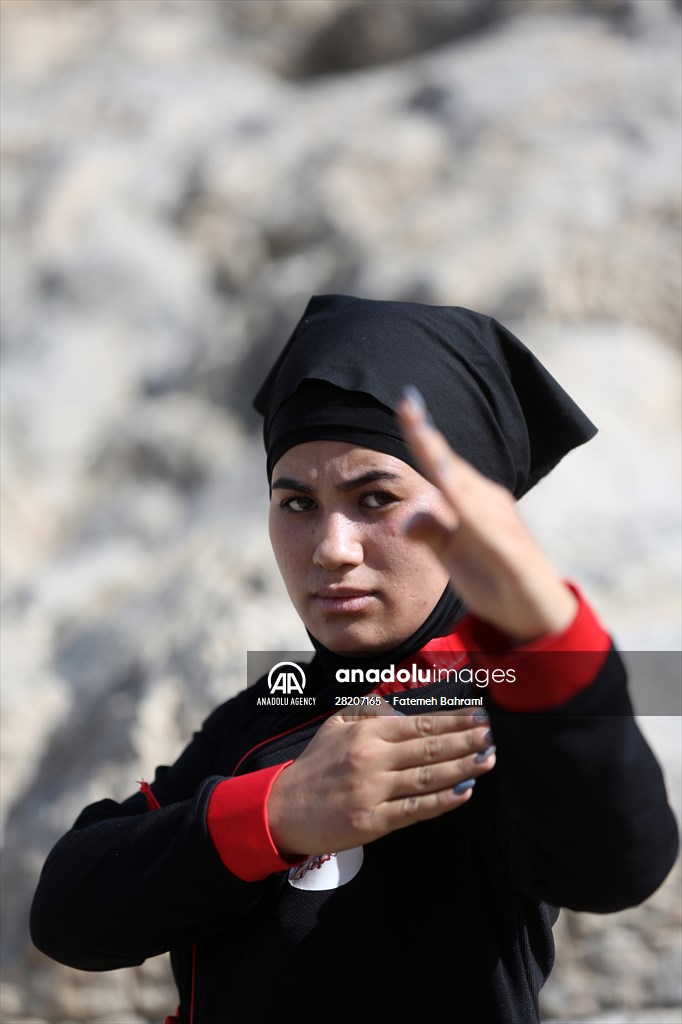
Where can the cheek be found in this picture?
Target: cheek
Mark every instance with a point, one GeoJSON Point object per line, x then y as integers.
{"type": "Point", "coordinates": [290, 545]}
{"type": "Point", "coordinates": [415, 561]}
{"type": "Point", "coordinates": [403, 558]}
{"type": "Point", "coordinates": [408, 560]}
{"type": "Point", "coordinates": [280, 542]}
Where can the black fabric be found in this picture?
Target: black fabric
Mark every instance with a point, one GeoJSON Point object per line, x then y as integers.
{"type": "Point", "coordinates": [318, 411]}
{"type": "Point", "coordinates": [489, 395]}
{"type": "Point", "coordinates": [447, 921]}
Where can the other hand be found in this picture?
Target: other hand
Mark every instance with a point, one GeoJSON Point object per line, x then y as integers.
{"type": "Point", "coordinates": [365, 775]}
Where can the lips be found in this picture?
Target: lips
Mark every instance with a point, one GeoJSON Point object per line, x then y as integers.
{"type": "Point", "coordinates": [343, 600]}
{"type": "Point", "coordinates": [341, 592]}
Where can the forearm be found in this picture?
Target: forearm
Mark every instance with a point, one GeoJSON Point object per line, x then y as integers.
{"type": "Point", "coordinates": [587, 821]}
{"type": "Point", "coordinates": [127, 883]}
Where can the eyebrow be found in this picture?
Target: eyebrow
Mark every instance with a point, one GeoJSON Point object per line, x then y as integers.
{"type": "Point", "coordinates": [288, 483]}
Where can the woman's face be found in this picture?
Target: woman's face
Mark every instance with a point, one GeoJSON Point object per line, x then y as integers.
{"type": "Point", "coordinates": [337, 515]}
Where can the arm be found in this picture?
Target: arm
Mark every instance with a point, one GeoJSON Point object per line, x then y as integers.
{"type": "Point", "coordinates": [585, 818]}
{"type": "Point", "coordinates": [590, 822]}
{"type": "Point", "coordinates": [127, 883]}
{"type": "Point", "coordinates": [583, 810]}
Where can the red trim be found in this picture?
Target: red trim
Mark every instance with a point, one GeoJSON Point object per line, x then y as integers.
{"type": "Point", "coordinates": [238, 825]}
{"type": "Point", "coordinates": [152, 803]}
{"type": "Point", "coordinates": [545, 679]}
{"type": "Point", "coordinates": [277, 736]}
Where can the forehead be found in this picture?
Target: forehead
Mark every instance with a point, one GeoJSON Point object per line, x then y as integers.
{"type": "Point", "coordinates": [337, 461]}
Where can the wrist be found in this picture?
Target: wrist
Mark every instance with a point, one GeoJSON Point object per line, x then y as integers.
{"type": "Point", "coordinates": [552, 612]}
{"type": "Point", "coordinates": [277, 818]}
{"type": "Point", "coordinates": [237, 824]}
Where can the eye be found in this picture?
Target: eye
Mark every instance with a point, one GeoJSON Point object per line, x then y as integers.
{"type": "Point", "coordinates": [378, 499]}
{"type": "Point", "coordinates": [299, 503]}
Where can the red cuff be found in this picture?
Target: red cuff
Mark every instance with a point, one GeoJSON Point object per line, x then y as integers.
{"type": "Point", "coordinates": [548, 671]}
{"type": "Point", "coordinates": [238, 825]}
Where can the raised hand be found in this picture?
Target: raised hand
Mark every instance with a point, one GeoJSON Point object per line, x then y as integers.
{"type": "Point", "coordinates": [495, 565]}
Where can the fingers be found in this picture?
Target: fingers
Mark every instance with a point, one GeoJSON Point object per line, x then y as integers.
{"type": "Point", "coordinates": [438, 749]}
{"type": "Point", "coordinates": [408, 810]}
{"type": "Point", "coordinates": [422, 753]}
{"type": "Point", "coordinates": [427, 779]}
{"type": "Point", "coordinates": [393, 726]}
{"type": "Point", "coordinates": [397, 728]}
{"type": "Point", "coordinates": [362, 777]}
{"type": "Point", "coordinates": [423, 792]}
{"type": "Point", "coordinates": [467, 490]}
{"type": "Point", "coordinates": [433, 452]}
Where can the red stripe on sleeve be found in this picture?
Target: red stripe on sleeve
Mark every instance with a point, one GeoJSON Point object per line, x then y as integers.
{"type": "Point", "coordinates": [146, 790]}
{"type": "Point", "coordinates": [238, 825]}
{"type": "Point", "coordinates": [548, 671]}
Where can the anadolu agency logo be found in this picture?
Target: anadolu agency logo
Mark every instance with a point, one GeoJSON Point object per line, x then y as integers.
{"type": "Point", "coordinates": [286, 686]}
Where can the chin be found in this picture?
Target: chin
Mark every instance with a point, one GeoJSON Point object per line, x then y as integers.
{"type": "Point", "coordinates": [349, 640]}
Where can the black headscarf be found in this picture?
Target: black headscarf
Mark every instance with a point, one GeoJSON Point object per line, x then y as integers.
{"type": "Point", "coordinates": [342, 373]}
{"type": "Point", "coordinates": [493, 400]}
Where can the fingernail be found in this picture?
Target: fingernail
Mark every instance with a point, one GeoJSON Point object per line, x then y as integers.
{"type": "Point", "coordinates": [484, 755]}
{"type": "Point", "coordinates": [414, 395]}
{"type": "Point", "coordinates": [481, 715]}
{"type": "Point", "coordinates": [462, 787]}
{"type": "Point", "coordinates": [488, 737]}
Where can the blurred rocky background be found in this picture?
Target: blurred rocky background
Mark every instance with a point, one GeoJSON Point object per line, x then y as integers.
{"type": "Point", "coordinates": [178, 177]}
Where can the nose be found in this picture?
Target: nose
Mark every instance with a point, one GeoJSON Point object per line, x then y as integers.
{"type": "Point", "coordinates": [338, 543]}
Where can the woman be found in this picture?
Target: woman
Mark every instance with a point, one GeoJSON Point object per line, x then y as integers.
{"type": "Point", "coordinates": [376, 865]}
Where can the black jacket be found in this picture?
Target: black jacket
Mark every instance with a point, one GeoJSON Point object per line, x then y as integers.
{"type": "Point", "coordinates": [447, 920]}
